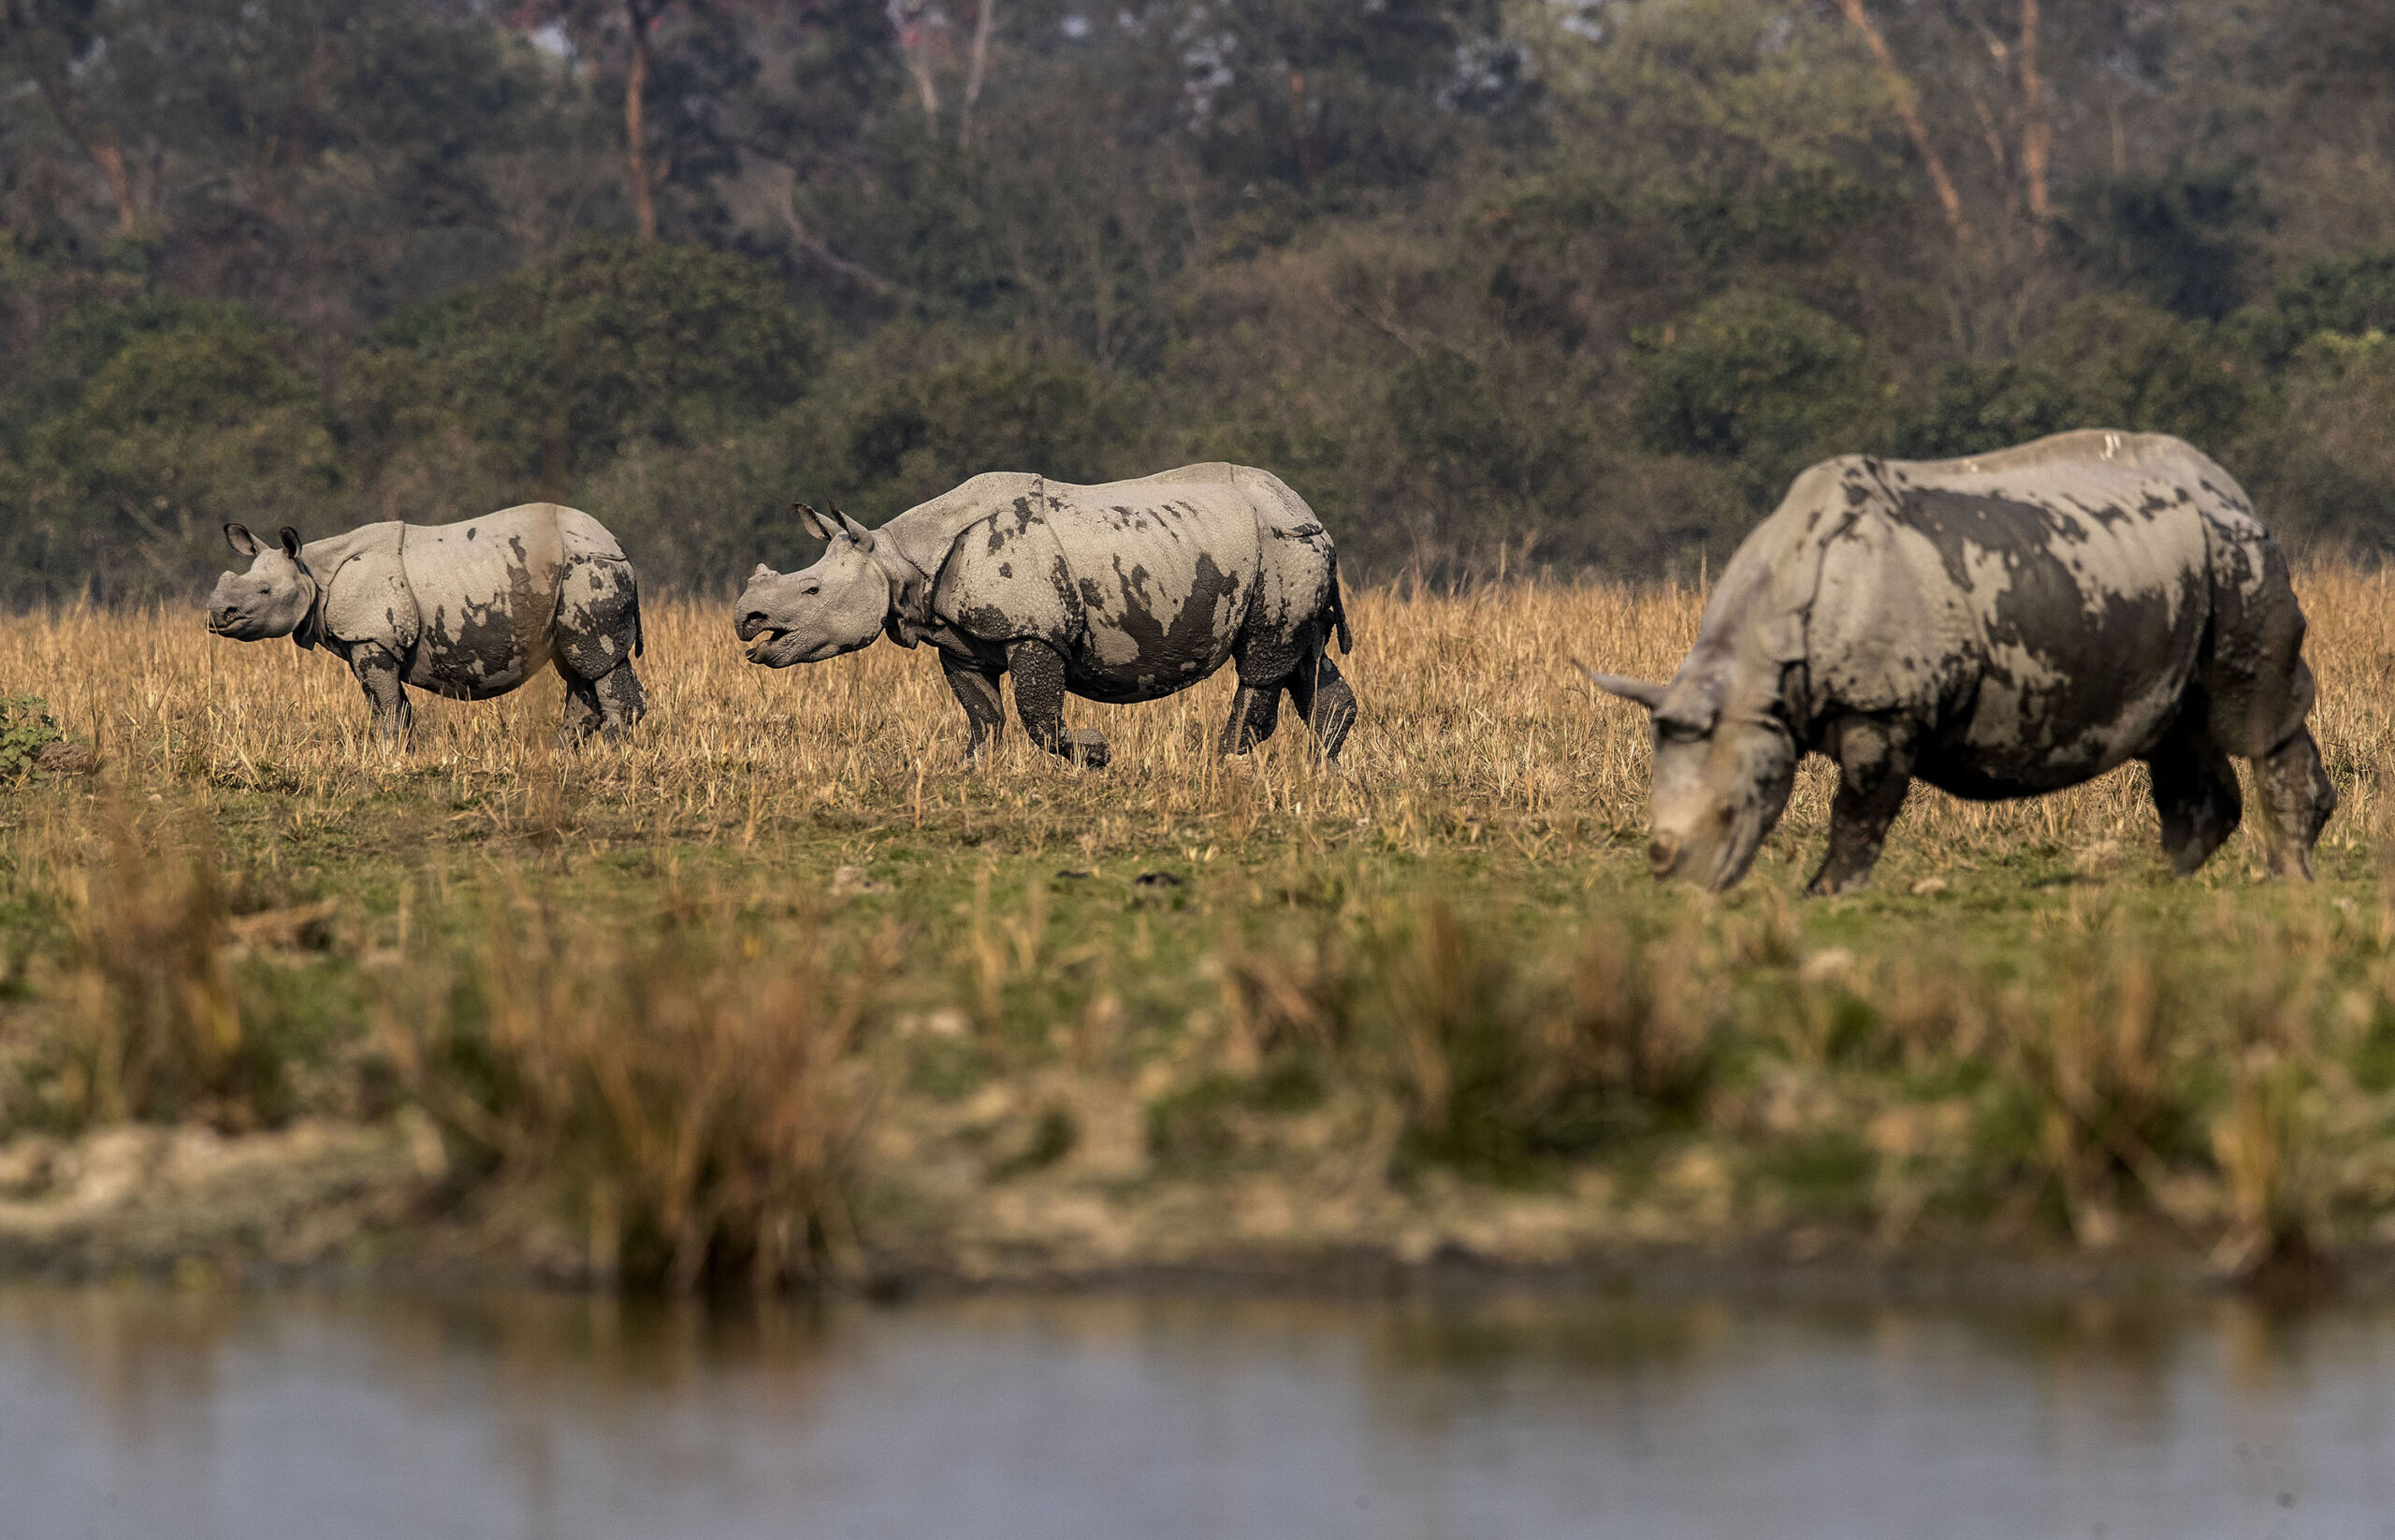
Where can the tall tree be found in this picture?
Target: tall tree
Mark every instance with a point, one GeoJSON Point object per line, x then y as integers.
{"type": "Point", "coordinates": [2036, 130]}
{"type": "Point", "coordinates": [920, 28]}
{"type": "Point", "coordinates": [639, 17]}
{"type": "Point", "coordinates": [54, 44]}
{"type": "Point", "coordinates": [1906, 100]}
{"type": "Point", "coordinates": [597, 29]}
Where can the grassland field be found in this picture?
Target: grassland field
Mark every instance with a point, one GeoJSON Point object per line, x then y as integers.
{"type": "Point", "coordinates": [783, 991]}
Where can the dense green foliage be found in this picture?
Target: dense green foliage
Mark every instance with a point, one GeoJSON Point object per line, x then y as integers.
{"type": "Point", "coordinates": [1572, 283]}
{"type": "Point", "coordinates": [25, 727]}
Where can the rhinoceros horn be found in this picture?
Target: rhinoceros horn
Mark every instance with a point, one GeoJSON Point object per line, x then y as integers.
{"type": "Point", "coordinates": [1641, 691]}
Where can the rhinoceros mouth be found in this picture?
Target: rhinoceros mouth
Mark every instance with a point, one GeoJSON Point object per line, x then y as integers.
{"type": "Point", "coordinates": [768, 647]}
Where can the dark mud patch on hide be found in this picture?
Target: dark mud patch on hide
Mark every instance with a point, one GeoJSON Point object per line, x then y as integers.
{"type": "Point", "coordinates": [602, 630]}
{"type": "Point", "coordinates": [1068, 596]}
{"type": "Point", "coordinates": [485, 654]}
{"type": "Point", "coordinates": [2092, 653]}
{"type": "Point", "coordinates": [1002, 533]}
{"type": "Point", "coordinates": [2229, 497]}
{"type": "Point", "coordinates": [1170, 652]}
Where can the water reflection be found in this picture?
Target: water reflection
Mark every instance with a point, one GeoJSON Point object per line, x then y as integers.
{"type": "Point", "coordinates": [139, 1412]}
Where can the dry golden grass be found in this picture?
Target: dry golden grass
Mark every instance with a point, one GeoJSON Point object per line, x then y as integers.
{"type": "Point", "coordinates": [579, 961]}
{"type": "Point", "coordinates": [1474, 725]}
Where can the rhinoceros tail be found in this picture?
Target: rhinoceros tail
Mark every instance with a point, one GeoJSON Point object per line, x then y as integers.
{"type": "Point", "coordinates": [640, 636]}
{"type": "Point", "coordinates": [1339, 612]}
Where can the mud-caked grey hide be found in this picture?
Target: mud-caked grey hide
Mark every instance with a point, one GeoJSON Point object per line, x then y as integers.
{"type": "Point", "coordinates": [468, 610]}
{"type": "Point", "coordinates": [2000, 626]}
{"type": "Point", "coordinates": [1127, 592]}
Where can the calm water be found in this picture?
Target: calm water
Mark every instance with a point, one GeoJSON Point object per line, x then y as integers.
{"type": "Point", "coordinates": [128, 1412]}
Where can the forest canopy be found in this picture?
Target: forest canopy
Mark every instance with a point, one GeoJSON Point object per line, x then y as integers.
{"type": "Point", "coordinates": [1500, 285]}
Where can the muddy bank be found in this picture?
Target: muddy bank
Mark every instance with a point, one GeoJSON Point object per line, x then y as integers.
{"type": "Point", "coordinates": [382, 1203]}
{"type": "Point", "coordinates": [150, 1198]}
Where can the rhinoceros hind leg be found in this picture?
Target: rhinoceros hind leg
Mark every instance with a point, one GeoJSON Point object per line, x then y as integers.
{"type": "Point", "coordinates": [1875, 763]}
{"type": "Point", "coordinates": [977, 691]}
{"type": "Point", "coordinates": [1255, 714]}
{"type": "Point", "coordinates": [2297, 796]}
{"type": "Point", "coordinates": [1039, 702]}
{"type": "Point", "coordinates": [1323, 699]}
{"type": "Point", "coordinates": [378, 674]}
{"type": "Point", "coordinates": [609, 706]}
{"type": "Point", "coordinates": [622, 702]}
{"type": "Point", "coordinates": [581, 716]}
{"type": "Point", "coordinates": [2195, 792]}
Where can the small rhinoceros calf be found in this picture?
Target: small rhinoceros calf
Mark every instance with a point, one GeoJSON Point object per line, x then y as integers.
{"type": "Point", "coordinates": [468, 610]}
{"type": "Point", "coordinates": [1999, 626]}
{"type": "Point", "coordinates": [1127, 592]}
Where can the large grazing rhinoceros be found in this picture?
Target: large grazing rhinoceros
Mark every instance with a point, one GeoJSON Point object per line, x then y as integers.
{"type": "Point", "coordinates": [1998, 626]}
{"type": "Point", "coordinates": [1125, 591]}
{"type": "Point", "coordinates": [468, 610]}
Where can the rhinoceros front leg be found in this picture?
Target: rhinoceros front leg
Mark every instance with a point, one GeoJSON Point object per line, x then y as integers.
{"type": "Point", "coordinates": [1324, 699]}
{"type": "Point", "coordinates": [977, 691]}
{"type": "Point", "coordinates": [378, 674]}
{"type": "Point", "coordinates": [1875, 763]}
{"type": "Point", "coordinates": [1039, 701]}
{"type": "Point", "coordinates": [2297, 796]}
{"type": "Point", "coordinates": [2195, 793]}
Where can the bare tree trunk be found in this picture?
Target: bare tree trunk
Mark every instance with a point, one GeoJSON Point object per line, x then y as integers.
{"type": "Point", "coordinates": [99, 145]}
{"type": "Point", "coordinates": [1303, 130]}
{"type": "Point", "coordinates": [984, 18]}
{"type": "Point", "coordinates": [50, 76]}
{"type": "Point", "coordinates": [112, 163]}
{"type": "Point", "coordinates": [1910, 111]}
{"type": "Point", "coordinates": [636, 127]}
{"type": "Point", "coordinates": [915, 47]}
{"type": "Point", "coordinates": [2037, 131]}
{"type": "Point", "coordinates": [815, 246]}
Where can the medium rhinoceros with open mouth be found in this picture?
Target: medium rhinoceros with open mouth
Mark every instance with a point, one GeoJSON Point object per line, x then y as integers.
{"type": "Point", "coordinates": [1125, 591]}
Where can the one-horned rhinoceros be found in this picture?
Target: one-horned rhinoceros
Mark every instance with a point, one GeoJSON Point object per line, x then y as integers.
{"type": "Point", "coordinates": [468, 610]}
{"type": "Point", "coordinates": [1127, 592]}
{"type": "Point", "coordinates": [1998, 626]}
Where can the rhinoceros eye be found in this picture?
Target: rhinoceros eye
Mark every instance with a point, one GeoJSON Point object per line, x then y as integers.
{"type": "Point", "coordinates": [1681, 730]}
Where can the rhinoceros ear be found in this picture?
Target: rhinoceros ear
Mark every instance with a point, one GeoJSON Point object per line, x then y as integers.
{"type": "Point", "coordinates": [291, 543]}
{"type": "Point", "coordinates": [858, 532]}
{"type": "Point", "coordinates": [244, 543]}
{"type": "Point", "coordinates": [813, 522]}
{"type": "Point", "coordinates": [1641, 691]}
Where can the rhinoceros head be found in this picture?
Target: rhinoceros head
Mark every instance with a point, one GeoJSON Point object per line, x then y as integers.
{"type": "Point", "coordinates": [837, 606]}
{"type": "Point", "coordinates": [1724, 761]}
{"type": "Point", "coordinates": [272, 599]}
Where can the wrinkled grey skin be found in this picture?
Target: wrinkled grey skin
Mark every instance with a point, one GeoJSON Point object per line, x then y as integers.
{"type": "Point", "coordinates": [1998, 626]}
{"type": "Point", "coordinates": [468, 610]}
{"type": "Point", "coordinates": [1127, 592]}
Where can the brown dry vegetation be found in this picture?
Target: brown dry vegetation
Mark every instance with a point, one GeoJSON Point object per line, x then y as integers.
{"type": "Point", "coordinates": [781, 989]}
